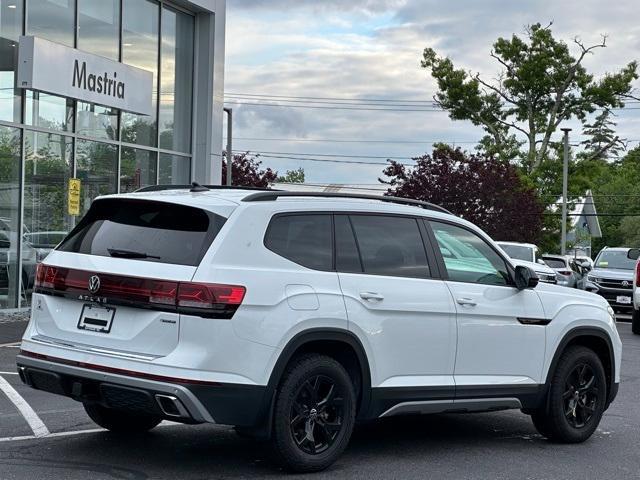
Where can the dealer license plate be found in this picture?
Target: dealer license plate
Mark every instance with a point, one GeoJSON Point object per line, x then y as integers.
{"type": "Point", "coordinates": [96, 318]}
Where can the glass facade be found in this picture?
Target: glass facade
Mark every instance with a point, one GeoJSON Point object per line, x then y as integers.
{"type": "Point", "coordinates": [46, 139]}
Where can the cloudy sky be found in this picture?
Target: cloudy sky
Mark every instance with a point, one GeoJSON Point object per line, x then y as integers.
{"type": "Point", "coordinates": [371, 49]}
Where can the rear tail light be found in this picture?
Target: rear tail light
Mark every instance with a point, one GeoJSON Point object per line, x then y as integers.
{"type": "Point", "coordinates": [201, 295]}
{"type": "Point", "coordinates": [204, 299]}
{"type": "Point", "coordinates": [638, 273]}
{"type": "Point", "coordinates": [565, 272]}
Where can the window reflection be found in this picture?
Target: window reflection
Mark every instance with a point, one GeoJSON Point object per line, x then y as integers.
{"type": "Point", "coordinates": [98, 27]}
{"type": "Point", "coordinates": [140, 46]}
{"type": "Point", "coordinates": [97, 121]}
{"type": "Point", "coordinates": [96, 167]}
{"type": "Point", "coordinates": [10, 290]}
{"type": "Point", "coordinates": [49, 111]}
{"type": "Point", "coordinates": [10, 30]}
{"type": "Point", "coordinates": [47, 172]}
{"type": "Point", "coordinates": [174, 169]}
{"type": "Point", "coordinates": [176, 79]}
{"type": "Point", "coordinates": [138, 168]}
{"type": "Point", "coordinates": [52, 19]}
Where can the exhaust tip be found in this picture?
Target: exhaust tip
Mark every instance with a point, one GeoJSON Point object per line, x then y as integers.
{"type": "Point", "coordinates": [171, 406]}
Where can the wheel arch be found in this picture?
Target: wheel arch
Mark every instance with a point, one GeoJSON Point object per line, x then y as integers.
{"type": "Point", "coordinates": [598, 340]}
{"type": "Point", "coordinates": [340, 344]}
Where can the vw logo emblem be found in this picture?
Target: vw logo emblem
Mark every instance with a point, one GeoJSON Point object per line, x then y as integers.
{"type": "Point", "coordinates": [94, 283]}
{"type": "Point", "coordinates": [625, 283]}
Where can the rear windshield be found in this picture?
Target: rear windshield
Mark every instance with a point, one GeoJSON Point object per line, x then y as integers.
{"type": "Point", "coordinates": [518, 252]}
{"type": "Point", "coordinates": [555, 262]}
{"type": "Point", "coordinates": [144, 230]}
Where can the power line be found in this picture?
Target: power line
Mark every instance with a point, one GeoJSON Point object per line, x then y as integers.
{"type": "Point", "coordinates": [337, 155]}
{"type": "Point", "coordinates": [331, 140]}
{"type": "Point", "coordinates": [338, 107]}
{"type": "Point", "coordinates": [339, 99]}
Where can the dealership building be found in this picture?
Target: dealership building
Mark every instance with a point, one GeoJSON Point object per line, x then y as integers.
{"type": "Point", "coordinates": [99, 97]}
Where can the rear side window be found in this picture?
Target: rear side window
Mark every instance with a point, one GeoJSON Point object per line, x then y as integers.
{"type": "Point", "coordinates": [303, 239]}
{"type": "Point", "coordinates": [390, 246]}
{"type": "Point", "coordinates": [145, 230]}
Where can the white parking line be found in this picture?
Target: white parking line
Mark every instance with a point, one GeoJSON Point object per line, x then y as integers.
{"type": "Point", "coordinates": [31, 417]}
{"type": "Point", "coordinates": [50, 435]}
{"type": "Point", "coordinates": [8, 373]}
{"type": "Point", "coordinates": [11, 345]}
{"type": "Point", "coordinates": [165, 423]}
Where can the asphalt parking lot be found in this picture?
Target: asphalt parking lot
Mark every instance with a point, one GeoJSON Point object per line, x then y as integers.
{"type": "Point", "coordinates": [44, 436]}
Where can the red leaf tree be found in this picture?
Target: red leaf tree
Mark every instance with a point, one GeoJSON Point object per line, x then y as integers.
{"type": "Point", "coordinates": [484, 190]}
{"type": "Point", "coordinates": [245, 172]}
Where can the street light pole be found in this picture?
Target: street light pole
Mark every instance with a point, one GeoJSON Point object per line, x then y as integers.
{"type": "Point", "coordinates": [229, 112]}
{"type": "Point", "coordinates": [565, 182]}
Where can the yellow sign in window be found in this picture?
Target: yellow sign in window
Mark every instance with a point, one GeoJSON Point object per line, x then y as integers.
{"type": "Point", "coordinates": [73, 201]}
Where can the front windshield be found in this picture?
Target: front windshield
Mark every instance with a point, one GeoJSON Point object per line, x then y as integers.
{"type": "Point", "coordinates": [518, 252]}
{"type": "Point", "coordinates": [615, 259]}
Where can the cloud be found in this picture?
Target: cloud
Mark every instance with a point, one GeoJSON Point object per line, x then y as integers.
{"type": "Point", "coordinates": [372, 49]}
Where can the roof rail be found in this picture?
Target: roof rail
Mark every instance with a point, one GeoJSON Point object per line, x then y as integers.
{"type": "Point", "coordinates": [159, 188]}
{"type": "Point", "coordinates": [272, 195]}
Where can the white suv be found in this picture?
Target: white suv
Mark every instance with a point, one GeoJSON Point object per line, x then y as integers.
{"type": "Point", "coordinates": [293, 315]}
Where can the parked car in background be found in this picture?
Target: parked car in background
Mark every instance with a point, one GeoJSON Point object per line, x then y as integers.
{"type": "Point", "coordinates": [44, 242]}
{"type": "Point", "coordinates": [570, 272]}
{"type": "Point", "coordinates": [528, 255]}
{"type": "Point", "coordinates": [634, 253]}
{"type": "Point", "coordinates": [612, 278]}
{"type": "Point", "coordinates": [8, 259]}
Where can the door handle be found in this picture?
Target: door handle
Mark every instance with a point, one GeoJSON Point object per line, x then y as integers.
{"type": "Point", "coordinates": [371, 296]}
{"type": "Point", "coordinates": [466, 302]}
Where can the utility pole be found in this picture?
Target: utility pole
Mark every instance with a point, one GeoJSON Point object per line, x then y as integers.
{"type": "Point", "coordinates": [565, 182]}
{"type": "Point", "coordinates": [229, 112]}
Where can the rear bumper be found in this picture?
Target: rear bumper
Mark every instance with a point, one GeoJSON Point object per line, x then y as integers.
{"type": "Point", "coordinates": [222, 403]}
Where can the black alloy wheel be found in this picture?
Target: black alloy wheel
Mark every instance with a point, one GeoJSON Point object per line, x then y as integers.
{"type": "Point", "coordinates": [580, 398]}
{"type": "Point", "coordinates": [317, 414]}
{"type": "Point", "coordinates": [577, 397]}
{"type": "Point", "coordinates": [314, 413]}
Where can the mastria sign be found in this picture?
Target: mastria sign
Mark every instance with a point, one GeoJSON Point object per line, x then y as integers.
{"type": "Point", "coordinates": [53, 68]}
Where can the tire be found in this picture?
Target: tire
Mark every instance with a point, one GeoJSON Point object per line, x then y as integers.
{"type": "Point", "coordinates": [576, 399]}
{"type": "Point", "coordinates": [635, 322]}
{"type": "Point", "coordinates": [119, 421]}
{"type": "Point", "coordinates": [316, 397]}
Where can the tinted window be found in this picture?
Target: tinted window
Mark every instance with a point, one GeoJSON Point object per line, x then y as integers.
{"type": "Point", "coordinates": [165, 232]}
{"type": "Point", "coordinates": [390, 246]}
{"type": "Point", "coordinates": [347, 256]}
{"type": "Point", "coordinates": [615, 259]}
{"type": "Point", "coordinates": [303, 239]}
{"type": "Point", "coordinates": [555, 262]}
{"type": "Point", "coordinates": [467, 257]}
{"type": "Point", "coordinates": [518, 252]}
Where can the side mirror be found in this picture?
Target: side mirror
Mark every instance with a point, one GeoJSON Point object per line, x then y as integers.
{"type": "Point", "coordinates": [633, 253]}
{"type": "Point", "coordinates": [525, 278]}
{"type": "Point", "coordinates": [540, 261]}
{"type": "Point", "coordinates": [586, 265]}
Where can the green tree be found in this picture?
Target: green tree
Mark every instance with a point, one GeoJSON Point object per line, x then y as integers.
{"type": "Point", "coordinates": [292, 176]}
{"type": "Point", "coordinates": [630, 231]}
{"type": "Point", "coordinates": [603, 143]}
{"type": "Point", "coordinates": [541, 85]}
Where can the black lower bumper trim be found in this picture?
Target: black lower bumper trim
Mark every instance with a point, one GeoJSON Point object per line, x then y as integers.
{"type": "Point", "coordinates": [227, 404]}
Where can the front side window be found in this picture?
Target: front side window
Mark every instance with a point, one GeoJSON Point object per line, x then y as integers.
{"type": "Point", "coordinates": [468, 258]}
{"type": "Point", "coordinates": [391, 246]}
{"type": "Point", "coordinates": [303, 239]}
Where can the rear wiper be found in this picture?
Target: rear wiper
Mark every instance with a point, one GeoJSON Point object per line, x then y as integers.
{"type": "Point", "coordinates": [120, 253]}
